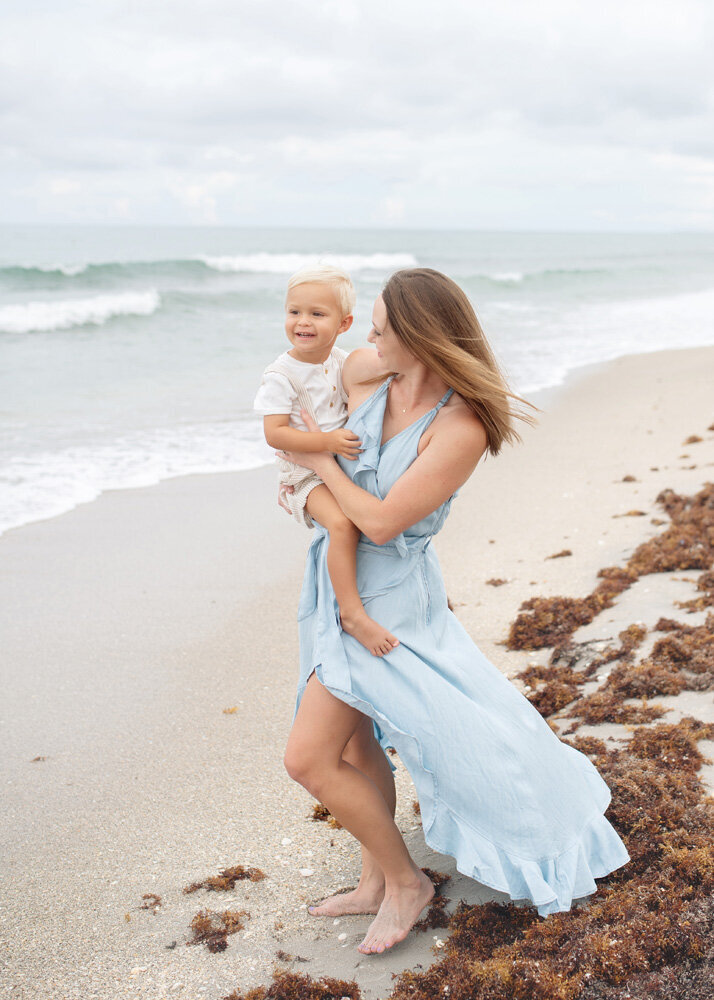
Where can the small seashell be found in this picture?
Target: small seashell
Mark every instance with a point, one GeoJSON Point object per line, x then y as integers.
{"type": "Point", "coordinates": [341, 937]}
{"type": "Point", "coordinates": [306, 872]}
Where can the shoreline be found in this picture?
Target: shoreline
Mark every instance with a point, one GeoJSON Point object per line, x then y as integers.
{"type": "Point", "coordinates": [543, 398]}
{"type": "Point", "coordinates": [134, 621]}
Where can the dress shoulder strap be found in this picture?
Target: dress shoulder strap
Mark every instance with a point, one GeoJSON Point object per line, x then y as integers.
{"type": "Point", "coordinates": [298, 386]}
{"type": "Point", "coordinates": [444, 399]}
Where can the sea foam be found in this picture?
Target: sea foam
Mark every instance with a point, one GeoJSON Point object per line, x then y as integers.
{"type": "Point", "coordinates": [43, 484]}
{"type": "Point", "coordinates": [62, 315]}
{"type": "Point", "coordinates": [286, 263]}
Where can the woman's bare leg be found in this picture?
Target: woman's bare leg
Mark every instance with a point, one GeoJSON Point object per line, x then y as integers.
{"type": "Point", "coordinates": [364, 753]}
{"type": "Point", "coordinates": [342, 567]}
{"type": "Point", "coordinates": [322, 729]}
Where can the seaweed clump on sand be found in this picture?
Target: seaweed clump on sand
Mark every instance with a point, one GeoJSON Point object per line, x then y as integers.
{"type": "Point", "coordinates": [213, 929]}
{"type": "Point", "coordinates": [550, 688]}
{"type": "Point", "coordinates": [652, 918]}
{"type": "Point", "coordinates": [294, 986]}
{"type": "Point", "coordinates": [688, 543]}
{"type": "Point", "coordinates": [705, 583]}
{"type": "Point", "coordinates": [321, 813]}
{"type": "Point", "coordinates": [436, 915]}
{"type": "Point", "coordinates": [682, 660]}
{"type": "Point", "coordinates": [550, 621]}
{"type": "Point", "coordinates": [226, 879]}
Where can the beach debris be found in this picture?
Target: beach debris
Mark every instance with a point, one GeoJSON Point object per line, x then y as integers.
{"type": "Point", "coordinates": [653, 917]}
{"type": "Point", "coordinates": [693, 439]}
{"type": "Point", "coordinates": [295, 986]}
{"type": "Point", "coordinates": [284, 956]}
{"type": "Point", "coordinates": [307, 872]}
{"type": "Point", "coordinates": [561, 554]}
{"type": "Point", "coordinates": [688, 543]}
{"type": "Point", "coordinates": [38, 759]}
{"type": "Point", "coordinates": [416, 808]}
{"type": "Point", "coordinates": [212, 929]}
{"type": "Point", "coordinates": [151, 902]}
{"type": "Point", "coordinates": [632, 513]}
{"type": "Point", "coordinates": [705, 583]}
{"type": "Point", "coordinates": [321, 813]}
{"type": "Point", "coordinates": [171, 945]}
{"type": "Point", "coordinates": [436, 915]}
{"type": "Point", "coordinates": [496, 581]}
{"type": "Point", "coordinates": [230, 711]}
{"type": "Point", "coordinates": [226, 879]}
{"type": "Point", "coordinates": [630, 479]}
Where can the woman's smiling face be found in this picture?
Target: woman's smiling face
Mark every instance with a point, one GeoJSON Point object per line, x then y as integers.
{"type": "Point", "coordinates": [389, 347]}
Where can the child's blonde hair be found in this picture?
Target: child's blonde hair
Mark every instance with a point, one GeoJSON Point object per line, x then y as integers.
{"type": "Point", "coordinates": [328, 274]}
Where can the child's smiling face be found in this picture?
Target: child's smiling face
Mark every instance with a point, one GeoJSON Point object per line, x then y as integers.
{"type": "Point", "coordinates": [313, 321]}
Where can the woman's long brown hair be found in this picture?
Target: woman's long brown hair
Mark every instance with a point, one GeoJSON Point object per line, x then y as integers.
{"type": "Point", "coordinates": [435, 322]}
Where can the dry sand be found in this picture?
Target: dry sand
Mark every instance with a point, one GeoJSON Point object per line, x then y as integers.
{"type": "Point", "coordinates": [130, 624]}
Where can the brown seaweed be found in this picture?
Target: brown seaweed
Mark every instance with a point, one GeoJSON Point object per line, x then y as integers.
{"type": "Point", "coordinates": [226, 879]}
{"type": "Point", "coordinates": [322, 814]}
{"type": "Point", "coordinates": [651, 915]}
{"type": "Point", "coordinates": [294, 986]}
{"type": "Point", "coordinates": [213, 929]}
{"type": "Point", "coordinates": [688, 543]}
{"type": "Point", "coordinates": [561, 554]}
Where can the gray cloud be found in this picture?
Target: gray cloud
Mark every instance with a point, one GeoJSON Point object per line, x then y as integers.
{"type": "Point", "coordinates": [472, 114]}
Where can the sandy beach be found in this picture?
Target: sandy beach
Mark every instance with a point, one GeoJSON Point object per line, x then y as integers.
{"type": "Point", "coordinates": [149, 652]}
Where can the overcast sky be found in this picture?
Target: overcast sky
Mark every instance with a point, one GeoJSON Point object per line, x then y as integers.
{"type": "Point", "coordinates": [541, 114]}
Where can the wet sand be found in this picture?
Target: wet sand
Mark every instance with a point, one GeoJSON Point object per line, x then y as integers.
{"type": "Point", "coordinates": [131, 624]}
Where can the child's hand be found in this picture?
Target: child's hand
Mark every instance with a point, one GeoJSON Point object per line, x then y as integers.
{"type": "Point", "coordinates": [344, 442]}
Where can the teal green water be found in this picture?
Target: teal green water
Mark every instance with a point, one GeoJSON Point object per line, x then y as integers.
{"type": "Point", "coordinates": [129, 355]}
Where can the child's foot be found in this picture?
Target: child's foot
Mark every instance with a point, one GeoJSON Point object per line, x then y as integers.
{"type": "Point", "coordinates": [360, 900]}
{"type": "Point", "coordinates": [370, 633]}
{"type": "Point", "coordinates": [396, 916]}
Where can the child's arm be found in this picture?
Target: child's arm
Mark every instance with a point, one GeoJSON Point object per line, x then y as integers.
{"type": "Point", "coordinates": [279, 434]}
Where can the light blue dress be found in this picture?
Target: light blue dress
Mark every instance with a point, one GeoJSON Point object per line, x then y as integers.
{"type": "Point", "coordinates": [518, 810]}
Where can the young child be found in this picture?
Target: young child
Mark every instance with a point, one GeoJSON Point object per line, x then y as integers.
{"type": "Point", "coordinates": [318, 308]}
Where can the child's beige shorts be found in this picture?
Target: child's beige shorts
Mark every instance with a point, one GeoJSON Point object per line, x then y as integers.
{"type": "Point", "coordinates": [303, 482]}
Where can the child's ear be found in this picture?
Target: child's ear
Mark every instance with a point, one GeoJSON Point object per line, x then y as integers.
{"type": "Point", "coordinates": [345, 324]}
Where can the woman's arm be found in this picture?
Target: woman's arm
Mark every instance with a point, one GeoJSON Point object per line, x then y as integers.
{"type": "Point", "coordinates": [447, 461]}
{"type": "Point", "coordinates": [279, 434]}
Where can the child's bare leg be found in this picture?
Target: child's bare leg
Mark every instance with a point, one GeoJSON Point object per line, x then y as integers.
{"type": "Point", "coordinates": [342, 567]}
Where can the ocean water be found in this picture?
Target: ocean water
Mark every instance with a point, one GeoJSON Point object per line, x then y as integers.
{"type": "Point", "coordinates": [130, 355]}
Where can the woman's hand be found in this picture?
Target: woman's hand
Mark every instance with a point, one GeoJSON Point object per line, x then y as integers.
{"type": "Point", "coordinates": [312, 460]}
{"type": "Point", "coordinates": [342, 442]}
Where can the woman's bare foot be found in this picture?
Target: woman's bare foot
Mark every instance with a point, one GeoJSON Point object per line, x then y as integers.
{"type": "Point", "coordinates": [359, 900]}
{"type": "Point", "coordinates": [397, 915]}
{"type": "Point", "coordinates": [370, 633]}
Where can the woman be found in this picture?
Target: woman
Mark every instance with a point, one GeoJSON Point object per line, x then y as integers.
{"type": "Point", "coordinates": [519, 810]}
